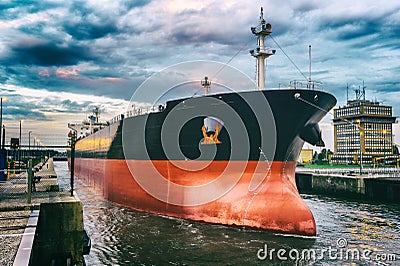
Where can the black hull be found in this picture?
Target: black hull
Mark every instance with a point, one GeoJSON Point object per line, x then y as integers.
{"type": "Point", "coordinates": [275, 134]}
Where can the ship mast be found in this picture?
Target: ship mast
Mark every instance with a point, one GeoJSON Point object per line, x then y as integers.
{"type": "Point", "coordinates": [94, 119]}
{"type": "Point", "coordinates": [263, 29]}
{"type": "Point", "coordinates": [206, 84]}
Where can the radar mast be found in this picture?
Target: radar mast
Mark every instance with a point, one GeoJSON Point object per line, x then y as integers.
{"type": "Point", "coordinates": [261, 53]}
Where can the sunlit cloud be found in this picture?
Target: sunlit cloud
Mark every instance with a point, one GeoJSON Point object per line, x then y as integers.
{"type": "Point", "coordinates": [66, 73]}
{"type": "Point", "coordinates": [44, 73]}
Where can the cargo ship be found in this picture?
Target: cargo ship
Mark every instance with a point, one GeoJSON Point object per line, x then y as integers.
{"type": "Point", "coordinates": [224, 158]}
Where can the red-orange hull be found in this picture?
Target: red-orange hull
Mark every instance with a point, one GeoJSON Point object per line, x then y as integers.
{"type": "Point", "coordinates": [268, 201]}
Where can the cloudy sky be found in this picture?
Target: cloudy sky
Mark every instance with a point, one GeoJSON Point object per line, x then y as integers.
{"type": "Point", "coordinates": [59, 58]}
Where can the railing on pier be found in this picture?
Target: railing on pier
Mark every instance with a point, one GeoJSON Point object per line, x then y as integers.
{"type": "Point", "coordinates": [17, 182]}
{"type": "Point", "coordinates": [370, 172]}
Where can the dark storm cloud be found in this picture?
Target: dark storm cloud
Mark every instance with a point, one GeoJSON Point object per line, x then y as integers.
{"type": "Point", "coordinates": [48, 53]}
{"type": "Point", "coordinates": [304, 7]}
{"type": "Point", "coordinates": [129, 4]}
{"type": "Point", "coordinates": [92, 82]}
{"type": "Point", "coordinates": [182, 36]}
{"type": "Point", "coordinates": [359, 29]}
{"type": "Point", "coordinates": [357, 26]}
{"type": "Point", "coordinates": [89, 31]}
{"type": "Point", "coordinates": [206, 29]}
{"type": "Point", "coordinates": [380, 35]}
{"type": "Point", "coordinates": [66, 106]}
{"type": "Point", "coordinates": [74, 105]}
{"type": "Point", "coordinates": [4, 9]}
{"type": "Point", "coordinates": [36, 107]}
{"type": "Point", "coordinates": [15, 9]}
{"type": "Point", "coordinates": [24, 113]}
{"type": "Point", "coordinates": [87, 23]}
{"type": "Point", "coordinates": [92, 24]}
{"type": "Point", "coordinates": [21, 109]}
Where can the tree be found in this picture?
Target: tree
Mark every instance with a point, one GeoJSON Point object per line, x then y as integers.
{"type": "Point", "coordinates": [322, 157]}
{"type": "Point", "coordinates": [315, 157]}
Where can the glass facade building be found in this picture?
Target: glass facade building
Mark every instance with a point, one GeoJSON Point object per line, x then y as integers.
{"type": "Point", "coordinates": [363, 132]}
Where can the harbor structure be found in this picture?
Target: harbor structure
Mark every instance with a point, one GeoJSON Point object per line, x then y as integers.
{"type": "Point", "coordinates": [363, 132]}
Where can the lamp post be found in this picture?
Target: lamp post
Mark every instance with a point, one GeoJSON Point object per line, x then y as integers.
{"type": "Point", "coordinates": [347, 150]}
{"type": "Point", "coordinates": [37, 147]}
{"type": "Point", "coordinates": [34, 147]}
{"type": "Point", "coordinates": [3, 157]}
{"type": "Point", "coordinates": [29, 142]}
{"type": "Point", "coordinates": [384, 147]}
{"type": "Point", "coordinates": [3, 140]}
{"type": "Point", "coordinates": [360, 136]}
{"type": "Point", "coordinates": [20, 140]}
{"type": "Point", "coordinates": [1, 118]}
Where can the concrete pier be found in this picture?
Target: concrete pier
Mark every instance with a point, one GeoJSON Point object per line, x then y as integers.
{"type": "Point", "coordinates": [348, 184]}
{"type": "Point", "coordinates": [59, 235]}
{"type": "Point", "coordinates": [386, 189]}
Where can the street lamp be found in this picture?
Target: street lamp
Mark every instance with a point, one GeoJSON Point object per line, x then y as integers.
{"type": "Point", "coordinates": [29, 141]}
{"type": "Point", "coordinates": [20, 141]}
{"type": "Point", "coordinates": [384, 147]}
{"type": "Point", "coordinates": [1, 118]}
{"type": "Point", "coordinates": [347, 150]}
{"type": "Point", "coordinates": [360, 136]}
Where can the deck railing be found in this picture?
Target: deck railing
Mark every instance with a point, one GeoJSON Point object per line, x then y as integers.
{"type": "Point", "coordinates": [305, 84]}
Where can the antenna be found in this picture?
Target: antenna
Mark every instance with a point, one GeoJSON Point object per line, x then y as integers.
{"type": "Point", "coordinates": [309, 66]}
{"type": "Point", "coordinates": [360, 92]}
{"type": "Point", "coordinates": [206, 84]}
{"type": "Point", "coordinates": [363, 91]}
{"type": "Point", "coordinates": [347, 91]}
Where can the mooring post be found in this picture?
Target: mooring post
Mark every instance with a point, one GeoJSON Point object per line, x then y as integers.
{"type": "Point", "coordinates": [30, 178]}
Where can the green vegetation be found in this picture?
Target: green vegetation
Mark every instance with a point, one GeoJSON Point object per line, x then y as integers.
{"type": "Point", "coordinates": [323, 157]}
{"type": "Point", "coordinates": [52, 188]}
{"type": "Point", "coordinates": [322, 160]}
{"type": "Point", "coordinates": [319, 166]}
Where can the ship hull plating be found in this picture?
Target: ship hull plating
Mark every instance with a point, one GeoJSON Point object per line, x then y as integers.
{"type": "Point", "coordinates": [274, 205]}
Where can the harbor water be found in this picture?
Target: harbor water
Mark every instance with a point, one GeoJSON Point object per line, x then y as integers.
{"type": "Point", "coordinates": [348, 233]}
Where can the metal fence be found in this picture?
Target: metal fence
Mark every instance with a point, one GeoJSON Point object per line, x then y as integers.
{"type": "Point", "coordinates": [43, 179]}
{"type": "Point", "coordinates": [370, 172]}
{"type": "Point", "coordinates": [23, 142]}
